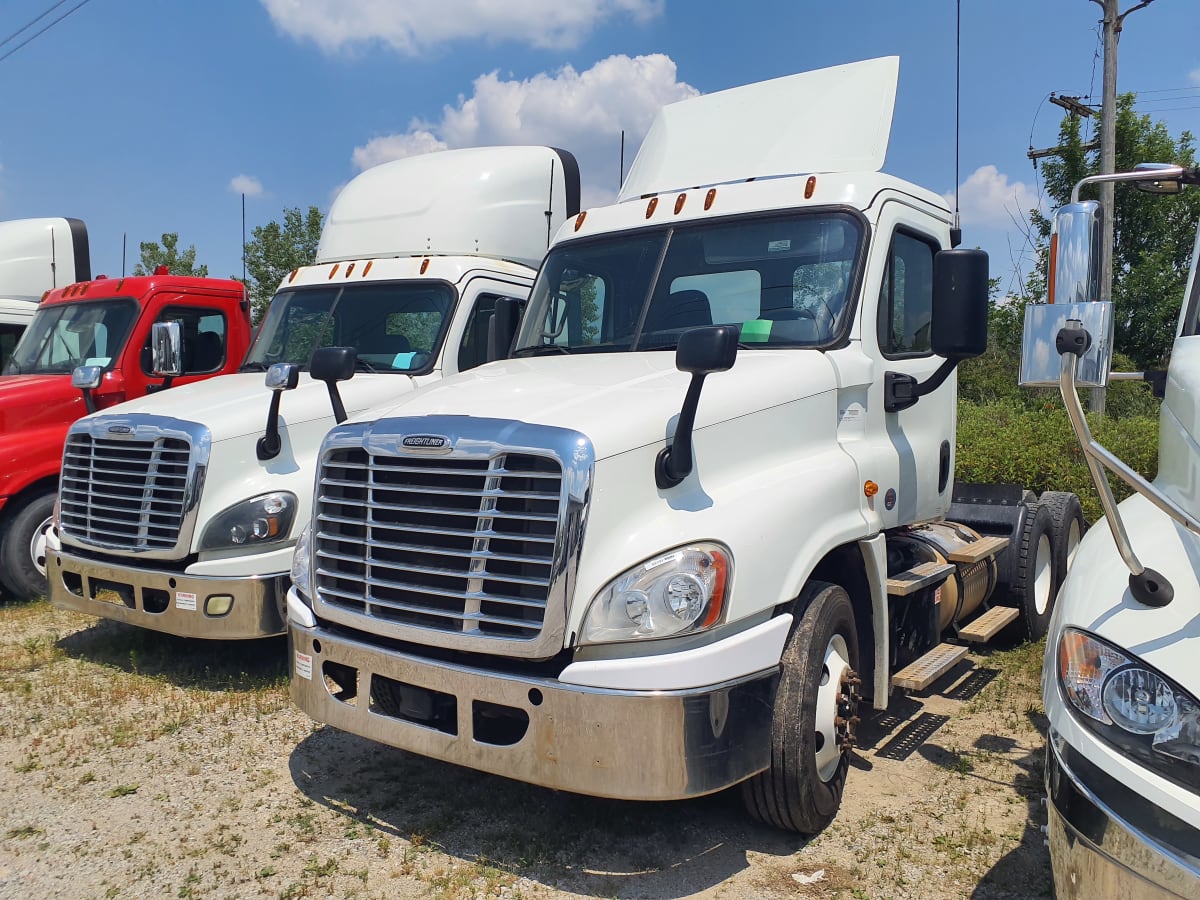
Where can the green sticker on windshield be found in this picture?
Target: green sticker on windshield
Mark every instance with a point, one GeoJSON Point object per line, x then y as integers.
{"type": "Point", "coordinates": [756, 331]}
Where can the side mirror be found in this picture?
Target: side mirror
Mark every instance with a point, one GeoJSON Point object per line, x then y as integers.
{"type": "Point", "coordinates": [502, 328]}
{"type": "Point", "coordinates": [1075, 253]}
{"type": "Point", "coordinates": [166, 349]}
{"type": "Point", "coordinates": [331, 365]}
{"type": "Point", "coordinates": [1041, 364]}
{"type": "Point", "coordinates": [87, 379]}
{"type": "Point", "coordinates": [1168, 182]}
{"type": "Point", "coordinates": [701, 352]}
{"type": "Point", "coordinates": [960, 304]}
{"type": "Point", "coordinates": [280, 377]}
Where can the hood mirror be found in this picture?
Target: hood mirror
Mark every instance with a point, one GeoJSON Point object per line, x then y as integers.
{"type": "Point", "coordinates": [331, 365]}
{"type": "Point", "coordinates": [701, 352]}
{"type": "Point", "coordinates": [280, 377]}
{"type": "Point", "coordinates": [87, 379]}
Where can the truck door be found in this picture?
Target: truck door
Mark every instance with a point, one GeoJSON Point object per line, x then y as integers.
{"type": "Point", "coordinates": [918, 442]}
{"type": "Point", "coordinates": [205, 325]}
{"type": "Point", "coordinates": [467, 340]}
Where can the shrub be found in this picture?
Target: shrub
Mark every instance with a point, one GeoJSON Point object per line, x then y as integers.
{"type": "Point", "coordinates": [1012, 443]}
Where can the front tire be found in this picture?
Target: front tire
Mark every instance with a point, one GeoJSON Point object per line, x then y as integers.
{"type": "Point", "coordinates": [816, 705]}
{"type": "Point", "coordinates": [23, 538]}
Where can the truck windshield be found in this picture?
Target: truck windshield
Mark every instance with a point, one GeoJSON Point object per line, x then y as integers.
{"type": "Point", "coordinates": [784, 279]}
{"type": "Point", "coordinates": [394, 326]}
{"type": "Point", "coordinates": [66, 335]}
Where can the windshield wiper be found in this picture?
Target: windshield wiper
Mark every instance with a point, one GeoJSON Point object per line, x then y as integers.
{"type": "Point", "coordinates": [541, 350]}
{"type": "Point", "coordinates": [360, 363]}
{"type": "Point", "coordinates": [253, 367]}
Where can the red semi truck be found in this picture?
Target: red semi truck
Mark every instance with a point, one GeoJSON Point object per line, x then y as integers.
{"type": "Point", "coordinates": [105, 323]}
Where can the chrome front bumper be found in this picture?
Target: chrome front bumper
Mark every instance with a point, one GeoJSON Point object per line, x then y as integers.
{"type": "Point", "coordinates": [629, 745]}
{"type": "Point", "coordinates": [1107, 841]}
{"type": "Point", "coordinates": [168, 601]}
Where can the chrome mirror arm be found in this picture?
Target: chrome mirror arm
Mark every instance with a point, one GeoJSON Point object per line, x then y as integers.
{"type": "Point", "coordinates": [1148, 586]}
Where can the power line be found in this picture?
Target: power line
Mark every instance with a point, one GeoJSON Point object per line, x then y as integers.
{"type": "Point", "coordinates": [37, 19]}
{"type": "Point", "coordinates": [43, 30]}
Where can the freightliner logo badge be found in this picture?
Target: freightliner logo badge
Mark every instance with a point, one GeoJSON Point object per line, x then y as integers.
{"type": "Point", "coordinates": [120, 429]}
{"type": "Point", "coordinates": [425, 442]}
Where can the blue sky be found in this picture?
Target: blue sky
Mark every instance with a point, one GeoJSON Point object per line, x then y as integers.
{"type": "Point", "coordinates": [145, 116]}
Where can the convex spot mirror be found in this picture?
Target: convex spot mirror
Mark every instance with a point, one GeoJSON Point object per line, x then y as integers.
{"type": "Point", "coordinates": [86, 378]}
{"type": "Point", "coordinates": [960, 304]}
{"type": "Point", "coordinates": [283, 377]}
{"type": "Point", "coordinates": [166, 348]}
{"type": "Point", "coordinates": [1041, 363]}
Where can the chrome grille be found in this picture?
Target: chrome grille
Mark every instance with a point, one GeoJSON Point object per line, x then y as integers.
{"type": "Point", "coordinates": [460, 545]}
{"type": "Point", "coordinates": [124, 494]}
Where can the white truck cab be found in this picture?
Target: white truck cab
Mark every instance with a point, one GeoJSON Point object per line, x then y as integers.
{"type": "Point", "coordinates": [1121, 681]}
{"type": "Point", "coordinates": [178, 512]}
{"type": "Point", "coordinates": [665, 545]}
{"type": "Point", "coordinates": [36, 255]}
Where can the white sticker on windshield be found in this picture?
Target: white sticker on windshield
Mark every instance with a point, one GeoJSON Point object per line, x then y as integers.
{"type": "Point", "coordinates": [97, 361]}
{"type": "Point", "coordinates": [779, 246]}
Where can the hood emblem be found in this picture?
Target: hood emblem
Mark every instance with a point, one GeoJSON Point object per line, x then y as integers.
{"type": "Point", "coordinates": [120, 429]}
{"type": "Point", "coordinates": [426, 442]}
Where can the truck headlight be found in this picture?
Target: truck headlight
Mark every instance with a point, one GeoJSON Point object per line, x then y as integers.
{"type": "Point", "coordinates": [679, 591]}
{"type": "Point", "coordinates": [260, 520]}
{"type": "Point", "coordinates": [1131, 706]}
{"type": "Point", "coordinates": [302, 565]}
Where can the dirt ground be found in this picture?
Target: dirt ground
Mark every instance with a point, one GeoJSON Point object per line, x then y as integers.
{"type": "Point", "coordinates": [138, 765]}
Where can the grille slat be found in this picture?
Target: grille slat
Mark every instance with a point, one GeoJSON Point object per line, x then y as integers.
{"type": "Point", "coordinates": [128, 495]}
{"type": "Point", "coordinates": [452, 544]}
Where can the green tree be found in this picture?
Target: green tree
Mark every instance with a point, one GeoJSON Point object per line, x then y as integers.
{"type": "Point", "coordinates": [275, 249]}
{"type": "Point", "coordinates": [168, 254]}
{"type": "Point", "coordinates": [1152, 236]}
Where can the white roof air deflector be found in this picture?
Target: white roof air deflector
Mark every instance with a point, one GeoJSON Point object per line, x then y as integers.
{"type": "Point", "coordinates": [482, 201]}
{"type": "Point", "coordinates": [829, 120]}
{"type": "Point", "coordinates": [39, 254]}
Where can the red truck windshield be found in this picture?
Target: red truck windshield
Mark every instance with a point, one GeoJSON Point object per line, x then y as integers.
{"type": "Point", "coordinates": [67, 335]}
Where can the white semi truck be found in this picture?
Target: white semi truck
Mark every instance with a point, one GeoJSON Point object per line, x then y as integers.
{"type": "Point", "coordinates": [702, 506]}
{"type": "Point", "coordinates": [1121, 680]}
{"type": "Point", "coordinates": [36, 255]}
{"type": "Point", "coordinates": [178, 512]}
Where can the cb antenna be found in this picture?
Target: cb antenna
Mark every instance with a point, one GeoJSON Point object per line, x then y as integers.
{"type": "Point", "coordinates": [956, 231]}
{"type": "Point", "coordinates": [550, 205]}
{"type": "Point", "coordinates": [621, 180]}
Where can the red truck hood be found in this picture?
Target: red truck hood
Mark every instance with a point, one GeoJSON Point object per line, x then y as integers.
{"type": "Point", "coordinates": [36, 401]}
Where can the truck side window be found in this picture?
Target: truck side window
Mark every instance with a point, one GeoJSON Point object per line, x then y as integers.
{"type": "Point", "coordinates": [9, 334]}
{"type": "Point", "coordinates": [906, 297]}
{"type": "Point", "coordinates": [472, 351]}
{"type": "Point", "coordinates": [204, 338]}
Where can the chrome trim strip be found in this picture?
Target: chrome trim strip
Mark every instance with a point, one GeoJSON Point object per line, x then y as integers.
{"type": "Point", "coordinates": [145, 427]}
{"type": "Point", "coordinates": [259, 603]}
{"type": "Point", "coordinates": [630, 745]}
{"type": "Point", "coordinates": [1096, 852]}
{"type": "Point", "coordinates": [478, 439]}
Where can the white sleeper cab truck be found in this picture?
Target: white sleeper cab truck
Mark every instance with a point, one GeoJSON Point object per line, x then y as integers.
{"type": "Point", "coordinates": [36, 255]}
{"type": "Point", "coordinates": [1121, 679]}
{"type": "Point", "coordinates": [665, 545]}
{"type": "Point", "coordinates": [179, 512]}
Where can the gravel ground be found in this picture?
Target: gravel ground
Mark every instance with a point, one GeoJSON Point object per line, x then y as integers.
{"type": "Point", "coordinates": [138, 765]}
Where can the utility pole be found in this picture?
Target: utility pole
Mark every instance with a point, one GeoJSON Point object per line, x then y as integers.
{"type": "Point", "coordinates": [1113, 23]}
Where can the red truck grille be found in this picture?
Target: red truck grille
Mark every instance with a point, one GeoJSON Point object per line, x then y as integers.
{"type": "Point", "coordinates": [124, 494]}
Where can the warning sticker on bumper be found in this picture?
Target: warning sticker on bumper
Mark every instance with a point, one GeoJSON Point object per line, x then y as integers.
{"type": "Point", "coordinates": [304, 665]}
{"type": "Point", "coordinates": [185, 600]}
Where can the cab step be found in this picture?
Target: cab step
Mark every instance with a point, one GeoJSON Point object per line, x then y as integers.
{"type": "Point", "coordinates": [921, 673]}
{"type": "Point", "coordinates": [912, 580]}
{"type": "Point", "coordinates": [987, 626]}
{"type": "Point", "coordinates": [981, 549]}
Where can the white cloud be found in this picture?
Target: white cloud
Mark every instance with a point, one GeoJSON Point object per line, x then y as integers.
{"type": "Point", "coordinates": [246, 184]}
{"type": "Point", "coordinates": [988, 198]}
{"type": "Point", "coordinates": [412, 26]}
{"type": "Point", "coordinates": [1195, 77]}
{"type": "Point", "coordinates": [583, 112]}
